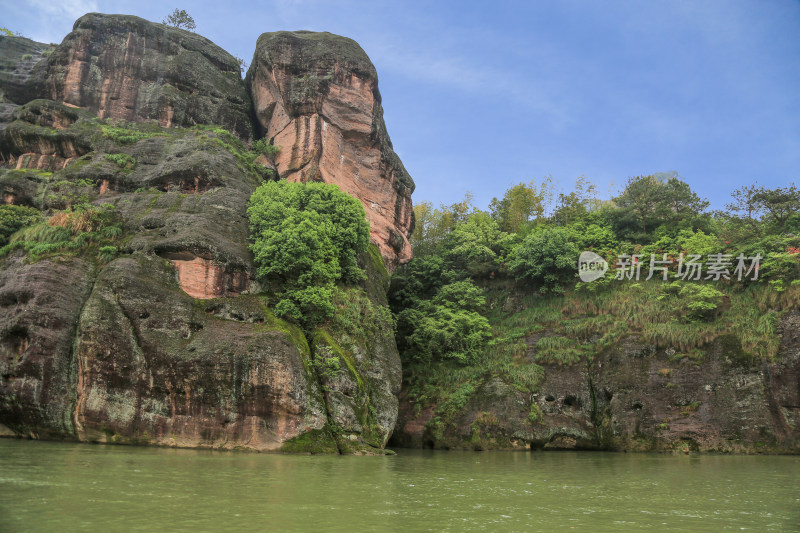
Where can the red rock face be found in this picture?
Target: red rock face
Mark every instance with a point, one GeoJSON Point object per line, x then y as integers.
{"type": "Point", "coordinates": [123, 67]}
{"type": "Point", "coordinates": [205, 279]}
{"type": "Point", "coordinates": [316, 96]}
{"type": "Point", "coordinates": [47, 162]}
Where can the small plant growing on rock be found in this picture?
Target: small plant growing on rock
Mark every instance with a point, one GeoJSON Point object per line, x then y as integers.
{"type": "Point", "coordinates": [266, 148]}
{"type": "Point", "coordinates": [327, 365]}
{"type": "Point", "coordinates": [242, 64]}
{"type": "Point", "coordinates": [123, 161]}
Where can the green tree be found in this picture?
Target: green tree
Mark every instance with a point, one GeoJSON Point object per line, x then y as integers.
{"type": "Point", "coordinates": [643, 198]}
{"type": "Point", "coordinates": [462, 295]}
{"type": "Point", "coordinates": [242, 64]}
{"type": "Point", "coordinates": [305, 238]}
{"type": "Point", "coordinates": [575, 205]}
{"type": "Point", "coordinates": [431, 225]}
{"type": "Point", "coordinates": [547, 257]}
{"type": "Point", "coordinates": [14, 218]}
{"type": "Point", "coordinates": [682, 205]}
{"type": "Point", "coordinates": [179, 18]}
{"type": "Point", "coordinates": [778, 204]}
{"type": "Point", "coordinates": [522, 203]}
{"type": "Point", "coordinates": [448, 327]}
{"type": "Point", "coordinates": [745, 203]}
{"type": "Point", "coordinates": [476, 246]}
{"type": "Point", "coordinates": [266, 148]}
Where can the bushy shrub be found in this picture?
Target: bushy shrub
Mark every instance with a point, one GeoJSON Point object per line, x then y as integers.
{"type": "Point", "coordinates": [546, 257]}
{"type": "Point", "coordinates": [265, 147]}
{"type": "Point", "coordinates": [438, 332]}
{"type": "Point", "coordinates": [701, 301]}
{"type": "Point", "coordinates": [691, 302]}
{"type": "Point", "coordinates": [305, 238]}
{"type": "Point", "coordinates": [15, 217]}
{"type": "Point", "coordinates": [447, 327]}
{"type": "Point", "coordinates": [123, 161]}
{"type": "Point", "coordinates": [70, 231]}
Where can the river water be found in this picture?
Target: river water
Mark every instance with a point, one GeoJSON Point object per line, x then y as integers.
{"type": "Point", "coordinates": [80, 487]}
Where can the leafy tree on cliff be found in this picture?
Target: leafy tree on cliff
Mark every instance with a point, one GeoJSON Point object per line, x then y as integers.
{"type": "Point", "coordinates": [477, 246]}
{"type": "Point", "coordinates": [521, 203]}
{"type": "Point", "coordinates": [305, 238]}
{"type": "Point", "coordinates": [447, 327]}
{"type": "Point", "coordinates": [433, 225]}
{"type": "Point", "coordinates": [180, 19]}
{"type": "Point", "coordinates": [574, 206]}
{"type": "Point", "coordinates": [648, 202]}
{"type": "Point", "coordinates": [778, 204]}
{"type": "Point", "coordinates": [547, 257]}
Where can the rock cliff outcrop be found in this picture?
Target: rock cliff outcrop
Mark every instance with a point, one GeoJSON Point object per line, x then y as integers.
{"type": "Point", "coordinates": [126, 68]}
{"type": "Point", "coordinates": [635, 397]}
{"type": "Point", "coordinates": [316, 95]}
{"type": "Point", "coordinates": [153, 330]}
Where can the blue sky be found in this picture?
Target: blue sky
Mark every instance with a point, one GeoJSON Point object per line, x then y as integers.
{"type": "Point", "coordinates": [481, 95]}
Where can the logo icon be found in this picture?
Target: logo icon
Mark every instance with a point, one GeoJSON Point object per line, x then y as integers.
{"type": "Point", "coordinates": [591, 266]}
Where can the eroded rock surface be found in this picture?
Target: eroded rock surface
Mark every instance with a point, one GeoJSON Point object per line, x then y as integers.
{"type": "Point", "coordinates": [633, 398]}
{"type": "Point", "coordinates": [316, 96]}
{"type": "Point", "coordinates": [167, 341]}
{"type": "Point", "coordinates": [127, 68]}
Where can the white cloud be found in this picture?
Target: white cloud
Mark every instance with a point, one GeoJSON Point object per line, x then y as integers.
{"type": "Point", "coordinates": [56, 17]}
{"type": "Point", "coordinates": [460, 73]}
{"type": "Point", "coordinates": [72, 9]}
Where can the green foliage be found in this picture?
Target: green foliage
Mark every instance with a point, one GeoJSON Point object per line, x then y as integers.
{"type": "Point", "coordinates": [64, 194]}
{"type": "Point", "coordinates": [306, 238]}
{"type": "Point", "coordinates": [447, 327]}
{"type": "Point", "coordinates": [521, 203]}
{"type": "Point", "coordinates": [125, 135]}
{"type": "Point", "coordinates": [574, 206]}
{"type": "Point", "coordinates": [107, 253]}
{"type": "Point", "coordinates": [14, 218]}
{"type": "Point", "coordinates": [83, 228]}
{"type": "Point", "coordinates": [518, 275]}
{"type": "Point", "coordinates": [651, 201]}
{"type": "Point", "coordinates": [327, 365]}
{"type": "Point", "coordinates": [246, 157]}
{"type": "Point", "coordinates": [358, 317]}
{"type": "Point", "coordinates": [779, 204]}
{"type": "Point", "coordinates": [701, 301]}
{"type": "Point", "coordinates": [781, 266]}
{"type": "Point", "coordinates": [547, 258]}
{"type": "Point", "coordinates": [266, 148]}
{"type": "Point", "coordinates": [476, 245]}
{"type": "Point", "coordinates": [179, 18]}
{"type": "Point", "coordinates": [461, 295]}
{"type": "Point", "coordinates": [557, 349]}
{"type": "Point", "coordinates": [123, 161]}
{"type": "Point", "coordinates": [433, 225]}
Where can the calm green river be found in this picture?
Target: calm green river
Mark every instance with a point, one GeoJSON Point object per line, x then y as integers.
{"type": "Point", "coordinates": [80, 487]}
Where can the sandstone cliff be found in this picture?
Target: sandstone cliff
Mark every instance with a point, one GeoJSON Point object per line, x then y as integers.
{"type": "Point", "coordinates": [316, 94]}
{"type": "Point", "coordinates": [635, 397]}
{"type": "Point", "coordinates": [126, 68]}
{"type": "Point", "coordinates": [154, 330]}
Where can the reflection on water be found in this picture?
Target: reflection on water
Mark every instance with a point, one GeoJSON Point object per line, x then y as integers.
{"type": "Point", "coordinates": [74, 487]}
